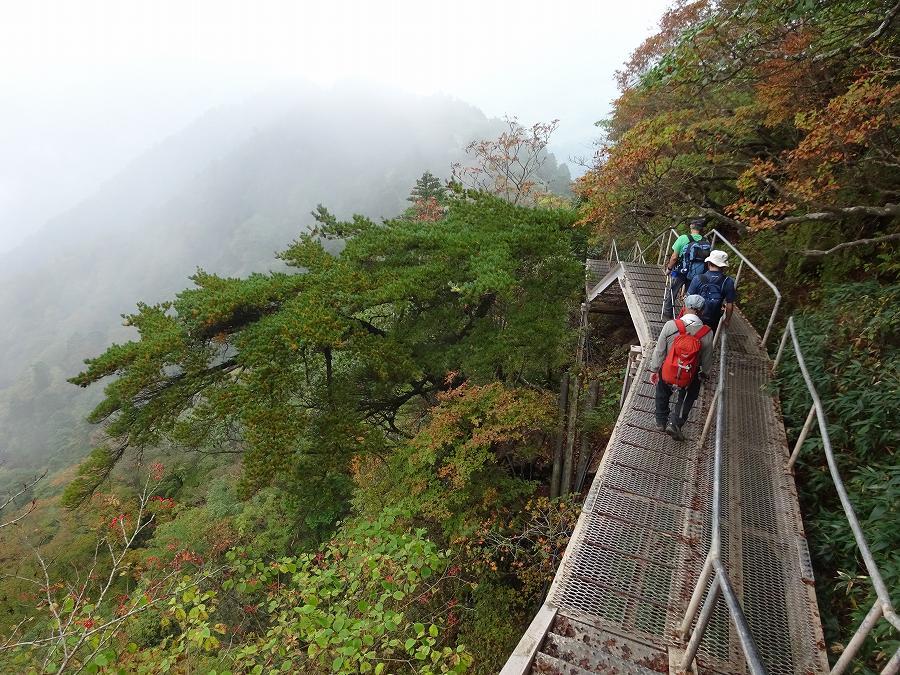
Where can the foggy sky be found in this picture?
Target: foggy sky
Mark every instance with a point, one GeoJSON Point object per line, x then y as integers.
{"type": "Point", "coordinates": [88, 85]}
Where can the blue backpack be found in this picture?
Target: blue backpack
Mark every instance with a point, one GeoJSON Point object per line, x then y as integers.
{"type": "Point", "coordinates": [713, 292]}
{"type": "Point", "coordinates": [693, 258]}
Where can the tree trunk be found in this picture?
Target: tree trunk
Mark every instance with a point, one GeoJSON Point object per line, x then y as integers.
{"type": "Point", "coordinates": [584, 459]}
{"type": "Point", "coordinates": [560, 435]}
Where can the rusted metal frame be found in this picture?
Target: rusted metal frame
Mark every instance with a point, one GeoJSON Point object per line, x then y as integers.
{"type": "Point", "coordinates": [884, 599]}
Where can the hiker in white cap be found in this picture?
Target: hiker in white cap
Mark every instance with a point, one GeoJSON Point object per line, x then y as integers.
{"type": "Point", "coordinates": [717, 290]}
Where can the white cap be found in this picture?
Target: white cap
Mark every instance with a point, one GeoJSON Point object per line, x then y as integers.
{"type": "Point", "coordinates": [718, 258]}
{"type": "Point", "coordinates": [694, 302]}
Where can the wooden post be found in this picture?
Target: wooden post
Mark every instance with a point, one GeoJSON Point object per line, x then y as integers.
{"type": "Point", "coordinates": [584, 458]}
{"type": "Point", "coordinates": [565, 483]}
{"type": "Point", "coordinates": [560, 436]}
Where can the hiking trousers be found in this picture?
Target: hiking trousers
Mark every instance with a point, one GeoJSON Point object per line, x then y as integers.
{"type": "Point", "coordinates": [677, 283]}
{"type": "Point", "coordinates": [684, 400]}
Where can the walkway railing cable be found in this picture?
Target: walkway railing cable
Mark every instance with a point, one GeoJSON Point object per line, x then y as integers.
{"type": "Point", "coordinates": [882, 608]}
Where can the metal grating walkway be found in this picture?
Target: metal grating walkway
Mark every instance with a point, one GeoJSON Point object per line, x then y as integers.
{"type": "Point", "coordinates": [636, 553]}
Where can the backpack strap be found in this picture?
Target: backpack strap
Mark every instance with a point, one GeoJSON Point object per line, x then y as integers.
{"type": "Point", "coordinates": [703, 331]}
{"type": "Point", "coordinates": [679, 324]}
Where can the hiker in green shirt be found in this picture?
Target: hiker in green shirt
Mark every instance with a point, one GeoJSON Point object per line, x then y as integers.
{"type": "Point", "coordinates": [686, 261]}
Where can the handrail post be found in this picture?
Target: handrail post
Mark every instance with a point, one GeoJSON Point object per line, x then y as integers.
{"type": "Point", "coordinates": [874, 573]}
{"type": "Point", "coordinates": [784, 337]}
{"type": "Point", "coordinates": [858, 638]}
{"type": "Point", "coordinates": [802, 438]}
{"type": "Point", "coordinates": [709, 419]}
{"type": "Point", "coordinates": [748, 646]}
{"type": "Point", "coordinates": [715, 542]}
{"type": "Point", "coordinates": [666, 291]}
{"type": "Point", "coordinates": [696, 596]}
{"type": "Point", "coordinates": [690, 651]}
{"type": "Point", "coordinates": [765, 337]}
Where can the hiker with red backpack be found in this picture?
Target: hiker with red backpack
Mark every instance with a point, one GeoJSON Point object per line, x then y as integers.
{"type": "Point", "coordinates": [687, 261]}
{"type": "Point", "coordinates": [683, 358]}
{"type": "Point", "coordinates": [717, 289]}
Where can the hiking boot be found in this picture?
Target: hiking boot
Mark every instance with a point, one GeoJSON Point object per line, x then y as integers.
{"type": "Point", "coordinates": [674, 432]}
{"type": "Point", "coordinates": [660, 426]}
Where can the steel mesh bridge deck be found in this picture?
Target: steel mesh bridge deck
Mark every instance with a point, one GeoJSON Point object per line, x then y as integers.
{"type": "Point", "coordinates": [624, 584]}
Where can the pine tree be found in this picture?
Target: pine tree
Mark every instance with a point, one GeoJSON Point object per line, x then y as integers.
{"type": "Point", "coordinates": [316, 366]}
{"type": "Point", "coordinates": [428, 187]}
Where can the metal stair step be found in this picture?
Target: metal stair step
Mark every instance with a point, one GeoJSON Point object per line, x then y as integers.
{"type": "Point", "coordinates": [544, 663]}
{"type": "Point", "coordinates": [595, 658]}
{"type": "Point", "coordinates": [595, 649]}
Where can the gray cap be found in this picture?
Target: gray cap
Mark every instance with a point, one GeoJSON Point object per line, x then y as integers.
{"type": "Point", "coordinates": [694, 302]}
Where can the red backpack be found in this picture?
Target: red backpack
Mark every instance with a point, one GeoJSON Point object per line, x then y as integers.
{"type": "Point", "coordinates": [682, 362]}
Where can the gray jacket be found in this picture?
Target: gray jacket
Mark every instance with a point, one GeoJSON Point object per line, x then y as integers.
{"type": "Point", "coordinates": [667, 336]}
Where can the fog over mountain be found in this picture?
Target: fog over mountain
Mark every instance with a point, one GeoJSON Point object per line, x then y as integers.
{"type": "Point", "coordinates": [224, 194]}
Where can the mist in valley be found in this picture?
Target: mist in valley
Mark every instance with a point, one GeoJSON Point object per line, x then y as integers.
{"type": "Point", "coordinates": [140, 143]}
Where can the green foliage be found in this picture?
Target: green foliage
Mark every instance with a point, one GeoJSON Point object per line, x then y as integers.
{"type": "Point", "coordinates": [850, 345]}
{"type": "Point", "coordinates": [91, 473]}
{"type": "Point", "coordinates": [458, 472]}
{"type": "Point", "coordinates": [494, 627]}
{"type": "Point", "coordinates": [528, 544]}
{"type": "Point", "coordinates": [371, 597]}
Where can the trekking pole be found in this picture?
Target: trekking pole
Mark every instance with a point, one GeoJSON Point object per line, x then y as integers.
{"type": "Point", "coordinates": [666, 292]}
{"type": "Point", "coordinates": [672, 294]}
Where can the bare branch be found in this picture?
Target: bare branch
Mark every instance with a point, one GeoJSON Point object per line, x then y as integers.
{"type": "Point", "coordinates": [836, 214]}
{"type": "Point", "coordinates": [847, 244]}
{"type": "Point", "coordinates": [11, 498]}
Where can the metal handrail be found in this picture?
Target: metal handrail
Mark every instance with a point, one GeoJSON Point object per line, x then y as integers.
{"type": "Point", "coordinates": [663, 246]}
{"type": "Point", "coordinates": [883, 607]}
{"type": "Point", "coordinates": [713, 564]}
{"type": "Point", "coordinates": [768, 282]}
{"type": "Point", "coordinates": [613, 250]}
